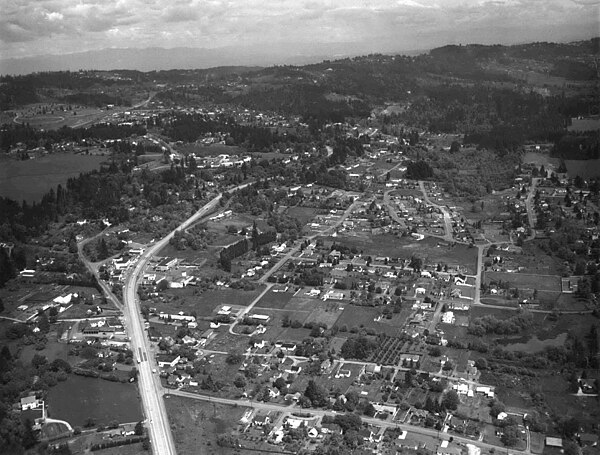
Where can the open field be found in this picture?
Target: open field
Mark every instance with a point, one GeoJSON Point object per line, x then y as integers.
{"type": "Point", "coordinates": [355, 317]}
{"type": "Point", "coordinates": [189, 300]}
{"type": "Point", "coordinates": [405, 247]}
{"type": "Point", "coordinates": [54, 430]}
{"type": "Point", "coordinates": [196, 425]}
{"type": "Point", "coordinates": [79, 398]}
{"type": "Point", "coordinates": [52, 350]}
{"type": "Point", "coordinates": [526, 281]}
{"type": "Point", "coordinates": [302, 214]}
{"type": "Point", "coordinates": [583, 168]}
{"type": "Point", "coordinates": [54, 119]}
{"type": "Point", "coordinates": [209, 150]}
{"type": "Point", "coordinates": [30, 180]}
{"type": "Point", "coordinates": [275, 299]}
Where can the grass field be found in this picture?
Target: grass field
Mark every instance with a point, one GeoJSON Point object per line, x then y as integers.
{"type": "Point", "coordinates": [583, 168]}
{"type": "Point", "coordinates": [405, 247]}
{"type": "Point", "coordinates": [363, 317]}
{"type": "Point", "coordinates": [30, 180]}
{"type": "Point", "coordinates": [53, 350]}
{"type": "Point", "coordinates": [197, 424]}
{"type": "Point", "coordinates": [526, 281]}
{"type": "Point", "coordinates": [275, 300]}
{"type": "Point", "coordinates": [80, 398]}
{"type": "Point", "coordinates": [54, 430]}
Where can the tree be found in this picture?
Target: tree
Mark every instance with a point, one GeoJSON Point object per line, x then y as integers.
{"type": "Point", "coordinates": [510, 435]}
{"type": "Point", "coordinates": [481, 364]}
{"type": "Point", "coordinates": [28, 437]}
{"type": "Point", "coordinates": [315, 394]}
{"type": "Point", "coordinates": [1, 305]}
{"type": "Point", "coordinates": [280, 384]}
{"type": "Point", "coordinates": [239, 382]}
{"type": "Point", "coordinates": [43, 323]}
{"type": "Point", "coordinates": [451, 400]}
{"type": "Point", "coordinates": [234, 358]}
{"type": "Point", "coordinates": [89, 352]}
{"type": "Point", "coordinates": [102, 250]}
{"type": "Point", "coordinates": [370, 410]}
{"type": "Point", "coordinates": [139, 429]}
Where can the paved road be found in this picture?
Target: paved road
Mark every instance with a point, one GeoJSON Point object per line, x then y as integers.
{"type": "Point", "coordinates": [392, 210]}
{"type": "Point", "coordinates": [320, 412]}
{"type": "Point", "coordinates": [447, 219]}
{"type": "Point", "coordinates": [529, 206]}
{"type": "Point", "coordinates": [149, 383]}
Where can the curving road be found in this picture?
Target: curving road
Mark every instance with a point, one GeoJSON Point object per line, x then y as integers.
{"type": "Point", "coordinates": [149, 383]}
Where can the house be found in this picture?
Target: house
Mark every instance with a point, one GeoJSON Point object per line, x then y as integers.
{"type": "Point", "coordinates": [188, 340]}
{"type": "Point", "coordinates": [154, 334]}
{"type": "Point", "coordinates": [260, 344]}
{"type": "Point", "coordinates": [288, 347]}
{"type": "Point", "coordinates": [30, 402]}
{"type": "Point", "coordinates": [261, 420]}
{"type": "Point", "coordinates": [165, 264]}
{"type": "Point", "coordinates": [313, 433]}
{"type": "Point", "coordinates": [167, 360]}
{"type": "Point", "coordinates": [260, 317]}
{"type": "Point", "coordinates": [290, 397]}
{"type": "Point", "coordinates": [365, 434]}
{"type": "Point", "coordinates": [448, 317]}
{"type": "Point", "coordinates": [294, 369]}
{"type": "Point", "coordinates": [294, 423]}
{"type": "Point", "coordinates": [372, 369]}
{"type": "Point", "coordinates": [448, 451]}
{"type": "Point", "coordinates": [128, 429]}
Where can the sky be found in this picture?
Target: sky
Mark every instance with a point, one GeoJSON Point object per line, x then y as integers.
{"type": "Point", "coordinates": [42, 27]}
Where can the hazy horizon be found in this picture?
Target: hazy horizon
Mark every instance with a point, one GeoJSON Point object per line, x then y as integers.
{"type": "Point", "coordinates": [39, 32]}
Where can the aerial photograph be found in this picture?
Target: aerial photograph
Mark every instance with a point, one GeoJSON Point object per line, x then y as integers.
{"type": "Point", "coordinates": [300, 227]}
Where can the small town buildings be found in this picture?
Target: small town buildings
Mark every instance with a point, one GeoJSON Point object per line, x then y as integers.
{"type": "Point", "coordinates": [30, 402]}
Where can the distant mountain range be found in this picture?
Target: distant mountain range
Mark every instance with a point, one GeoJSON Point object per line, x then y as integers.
{"type": "Point", "coordinates": [156, 58]}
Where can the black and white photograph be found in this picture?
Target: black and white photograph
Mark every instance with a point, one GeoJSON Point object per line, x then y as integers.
{"type": "Point", "coordinates": [309, 227]}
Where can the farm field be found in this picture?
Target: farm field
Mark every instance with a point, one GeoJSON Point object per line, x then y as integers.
{"type": "Point", "coordinates": [196, 425]}
{"type": "Point", "coordinates": [30, 180]}
{"type": "Point", "coordinates": [79, 398]}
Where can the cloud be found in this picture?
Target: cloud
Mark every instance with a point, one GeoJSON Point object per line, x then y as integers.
{"type": "Point", "coordinates": [28, 27]}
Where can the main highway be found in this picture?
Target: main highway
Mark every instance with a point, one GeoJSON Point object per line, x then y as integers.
{"type": "Point", "coordinates": [149, 384]}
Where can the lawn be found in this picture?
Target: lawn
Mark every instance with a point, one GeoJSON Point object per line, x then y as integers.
{"type": "Point", "coordinates": [53, 350]}
{"type": "Point", "coordinates": [196, 425]}
{"type": "Point", "coordinates": [79, 398]}
{"type": "Point", "coordinates": [30, 180]}
{"type": "Point", "coordinates": [357, 317]}
{"type": "Point", "coordinates": [275, 300]}
{"type": "Point", "coordinates": [302, 214]}
{"type": "Point", "coordinates": [326, 313]}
